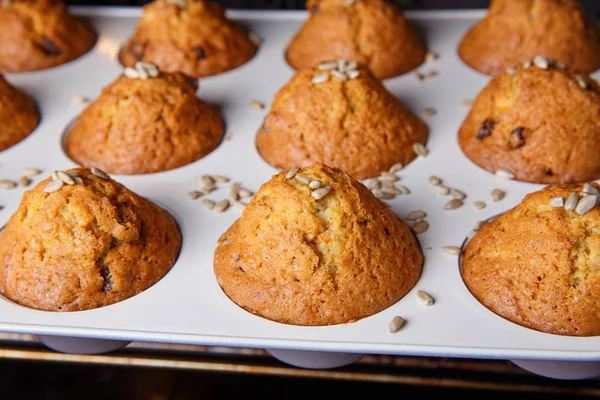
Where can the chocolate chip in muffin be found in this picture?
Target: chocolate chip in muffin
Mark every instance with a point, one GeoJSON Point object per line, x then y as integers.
{"type": "Point", "coordinates": [516, 138]}
{"type": "Point", "coordinates": [199, 52]}
{"type": "Point", "coordinates": [108, 282]}
{"type": "Point", "coordinates": [48, 46]}
{"type": "Point", "coordinates": [486, 129]}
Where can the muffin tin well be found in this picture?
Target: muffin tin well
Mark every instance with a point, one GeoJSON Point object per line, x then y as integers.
{"type": "Point", "coordinates": [187, 305]}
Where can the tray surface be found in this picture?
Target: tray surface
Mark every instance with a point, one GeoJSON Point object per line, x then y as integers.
{"type": "Point", "coordinates": [187, 305]}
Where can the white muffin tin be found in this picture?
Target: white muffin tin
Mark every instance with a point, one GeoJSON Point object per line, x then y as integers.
{"type": "Point", "coordinates": [187, 305]}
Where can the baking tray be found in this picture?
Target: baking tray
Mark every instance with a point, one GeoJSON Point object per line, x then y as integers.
{"type": "Point", "coordinates": [187, 305]}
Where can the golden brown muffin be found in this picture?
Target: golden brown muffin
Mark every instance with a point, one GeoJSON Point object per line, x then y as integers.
{"type": "Point", "coordinates": [139, 126]}
{"type": "Point", "coordinates": [317, 257]}
{"type": "Point", "coordinates": [189, 36]}
{"type": "Point", "coordinates": [352, 124]}
{"type": "Point", "coordinates": [374, 33]}
{"type": "Point", "coordinates": [537, 264]}
{"type": "Point", "coordinates": [515, 31]}
{"type": "Point", "coordinates": [38, 34]}
{"type": "Point", "coordinates": [19, 115]}
{"type": "Point", "coordinates": [85, 245]}
{"type": "Point", "coordinates": [542, 125]}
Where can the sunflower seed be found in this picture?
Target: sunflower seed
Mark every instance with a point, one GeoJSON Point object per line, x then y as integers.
{"type": "Point", "coordinates": [130, 73]}
{"type": "Point", "coordinates": [467, 103]}
{"type": "Point", "coordinates": [497, 195]}
{"type": "Point", "coordinates": [396, 168]}
{"type": "Point", "coordinates": [353, 74]}
{"type": "Point", "coordinates": [557, 202]}
{"type": "Point", "coordinates": [384, 195]}
{"type": "Point", "coordinates": [341, 64]}
{"type": "Point", "coordinates": [504, 174]}
{"type": "Point", "coordinates": [527, 64]}
{"type": "Point", "coordinates": [257, 105]}
{"type": "Point", "coordinates": [238, 204]}
{"type": "Point", "coordinates": [208, 204]}
{"type": "Point", "coordinates": [479, 205]}
{"type": "Point", "coordinates": [420, 76]}
{"type": "Point", "coordinates": [292, 173]}
{"type": "Point", "coordinates": [452, 250]}
{"type": "Point", "coordinates": [320, 78]}
{"type": "Point", "coordinates": [458, 194]}
{"type": "Point", "coordinates": [221, 206]}
{"type": "Point", "coordinates": [24, 181]}
{"type": "Point", "coordinates": [66, 178]}
{"type": "Point", "coordinates": [315, 184]}
{"type": "Point", "coordinates": [7, 184]}
{"type": "Point", "coordinates": [585, 204]}
{"type": "Point", "coordinates": [420, 149]}
{"type": "Point", "coordinates": [328, 65]}
{"type": "Point", "coordinates": [541, 62]}
{"type": "Point", "coordinates": [99, 173]}
{"type": "Point", "coordinates": [396, 324]}
{"type": "Point", "coordinates": [245, 193]}
{"type": "Point", "coordinates": [581, 81]}
{"type": "Point", "coordinates": [79, 100]}
{"type": "Point", "coordinates": [208, 180]}
{"type": "Point", "coordinates": [571, 201]}
{"type": "Point", "coordinates": [431, 56]}
{"type": "Point", "coordinates": [255, 39]}
{"type": "Point", "coordinates": [31, 172]}
{"type": "Point", "coordinates": [150, 69]}
{"type": "Point", "coordinates": [142, 73]}
{"type": "Point", "coordinates": [390, 191]}
{"type": "Point", "coordinates": [208, 189]}
{"type": "Point", "coordinates": [420, 227]}
{"type": "Point", "coordinates": [388, 176]}
{"type": "Point", "coordinates": [220, 178]}
{"type": "Point", "coordinates": [425, 298]}
{"type": "Point", "coordinates": [429, 112]}
{"type": "Point", "coordinates": [53, 186]}
{"type": "Point", "coordinates": [302, 179]}
{"type": "Point", "coordinates": [511, 71]}
{"type": "Point", "coordinates": [235, 187]}
{"type": "Point", "coordinates": [453, 204]}
{"type": "Point", "coordinates": [195, 194]}
{"type": "Point", "coordinates": [435, 181]}
{"type": "Point", "coordinates": [374, 184]}
{"type": "Point", "coordinates": [402, 189]}
{"type": "Point", "coordinates": [443, 190]}
{"type": "Point", "coordinates": [415, 215]}
{"type": "Point", "coordinates": [350, 66]}
{"type": "Point", "coordinates": [589, 188]}
{"type": "Point", "coordinates": [387, 185]}
{"type": "Point", "coordinates": [339, 74]}
{"type": "Point", "coordinates": [431, 74]}
{"type": "Point", "coordinates": [320, 193]}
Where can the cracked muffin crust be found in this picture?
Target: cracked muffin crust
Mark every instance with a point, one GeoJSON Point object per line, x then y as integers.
{"type": "Point", "coordinates": [85, 245]}
{"type": "Point", "coordinates": [19, 115]}
{"type": "Point", "coordinates": [140, 126]}
{"type": "Point", "coordinates": [373, 33]}
{"type": "Point", "coordinates": [39, 34]}
{"type": "Point", "coordinates": [515, 31]}
{"type": "Point", "coordinates": [537, 264]}
{"type": "Point", "coordinates": [518, 123]}
{"type": "Point", "coordinates": [299, 257]}
{"type": "Point", "coordinates": [196, 39]}
{"type": "Point", "coordinates": [355, 125]}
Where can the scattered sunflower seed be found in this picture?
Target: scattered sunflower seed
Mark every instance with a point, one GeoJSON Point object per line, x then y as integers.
{"type": "Point", "coordinates": [99, 173]}
{"type": "Point", "coordinates": [390, 191]}
{"type": "Point", "coordinates": [384, 195]}
{"type": "Point", "coordinates": [238, 204]}
{"type": "Point", "coordinates": [292, 173]}
{"type": "Point", "coordinates": [195, 194]}
{"type": "Point", "coordinates": [479, 205]}
{"type": "Point", "coordinates": [443, 190]}
{"type": "Point", "coordinates": [257, 105]}
{"type": "Point", "coordinates": [7, 184]}
{"type": "Point", "coordinates": [420, 76]}
{"type": "Point", "coordinates": [388, 176]}
{"type": "Point", "coordinates": [452, 250]}
{"type": "Point", "coordinates": [130, 73]}
{"type": "Point", "coordinates": [396, 168]}
{"type": "Point", "coordinates": [31, 172]}
{"type": "Point", "coordinates": [415, 215]}
{"type": "Point", "coordinates": [208, 204]}
{"type": "Point", "coordinates": [339, 74]}
{"type": "Point", "coordinates": [557, 202]}
{"type": "Point", "coordinates": [420, 227]}
{"type": "Point", "coordinates": [245, 193]}
{"type": "Point", "coordinates": [497, 195]}
{"type": "Point", "coordinates": [221, 206]}
{"type": "Point", "coordinates": [586, 203]}
{"type": "Point", "coordinates": [458, 194]}
{"type": "Point", "coordinates": [589, 188]}
{"type": "Point", "coordinates": [220, 178]}
{"type": "Point", "coordinates": [79, 100]}
{"type": "Point", "coordinates": [315, 184]}
{"type": "Point", "coordinates": [581, 81]}
{"type": "Point", "coordinates": [420, 150]}
{"type": "Point", "coordinates": [66, 178]}
{"type": "Point", "coordinates": [425, 298]}
{"type": "Point", "coordinates": [511, 71]}
{"type": "Point", "coordinates": [402, 189]}
{"type": "Point", "coordinates": [321, 192]}
{"type": "Point", "coordinates": [429, 112]}
{"type": "Point", "coordinates": [504, 174]}
{"type": "Point", "coordinates": [467, 103]}
{"type": "Point", "coordinates": [541, 62]}
{"type": "Point", "coordinates": [53, 186]}
{"type": "Point", "coordinates": [320, 78]}
{"type": "Point", "coordinates": [302, 179]}
{"type": "Point", "coordinates": [328, 65]}
{"type": "Point", "coordinates": [374, 184]}
{"type": "Point", "coordinates": [571, 201]}
{"type": "Point", "coordinates": [453, 204]}
{"type": "Point", "coordinates": [431, 56]}
{"type": "Point", "coordinates": [435, 181]}
{"type": "Point", "coordinates": [24, 181]}
{"type": "Point", "coordinates": [396, 324]}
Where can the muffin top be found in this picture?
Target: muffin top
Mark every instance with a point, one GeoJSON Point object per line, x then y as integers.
{"type": "Point", "coordinates": [18, 115]}
{"type": "Point", "coordinates": [519, 123]}
{"type": "Point", "coordinates": [38, 34]}
{"type": "Point", "coordinates": [324, 256]}
{"type": "Point", "coordinates": [189, 36]}
{"type": "Point", "coordinates": [516, 31]}
{"type": "Point", "coordinates": [85, 245]}
{"type": "Point", "coordinates": [347, 120]}
{"type": "Point", "coordinates": [537, 264]}
{"type": "Point", "coordinates": [374, 33]}
{"type": "Point", "coordinates": [144, 124]}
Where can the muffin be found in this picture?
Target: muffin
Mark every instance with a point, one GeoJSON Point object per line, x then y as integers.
{"type": "Point", "coordinates": [19, 115]}
{"type": "Point", "coordinates": [145, 123]}
{"type": "Point", "coordinates": [515, 31]}
{"type": "Point", "coordinates": [373, 33]}
{"type": "Point", "coordinates": [189, 36]}
{"type": "Point", "coordinates": [519, 124]}
{"type": "Point", "coordinates": [323, 256]}
{"type": "Point", "coordinates": [537, 264]}
{"type": "Point", "coordinates": [84, 244]}
{"type": "Point", "coordinates": [39, 34]}
{"type": "Point", "coordinates": [343, 117]}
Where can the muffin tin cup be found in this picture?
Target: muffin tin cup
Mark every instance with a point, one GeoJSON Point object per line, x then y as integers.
{"type": "Point", "coordinates": [75, 345]}
{"type": "Point", "coordinates": [188, 306]}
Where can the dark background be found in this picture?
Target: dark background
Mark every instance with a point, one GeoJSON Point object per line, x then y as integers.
{"type": "Point", "coordinates": [592, 5]}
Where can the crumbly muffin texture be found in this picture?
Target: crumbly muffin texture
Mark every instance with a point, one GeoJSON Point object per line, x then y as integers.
{"type": "Point", "coordinates": [537, 264]}
{"type": "Point", "coordinates": [352, 124]}
{"type": "Point", "coordinates": [540, 124]}
{"type": "Point", "coordinates": [39, 34]}
{"type": "Point", "coordinates": [19, 115]}
{"type": "Point", "coordinates": [189, 36]}
{"type": "Point", "coordinates": [85, 245]}
{"type": "Point", "coordinates": [139, 126]}
{"type": "Point", "coordinates": [298, 258]}
{"type": "Point", "coordinates": [515, 31]}
{"type": "Point", "coordinates": [374, 33]}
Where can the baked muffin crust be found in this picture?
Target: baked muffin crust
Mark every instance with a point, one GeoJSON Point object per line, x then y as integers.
{"type": "Point", "coordinates": [19, 115]}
